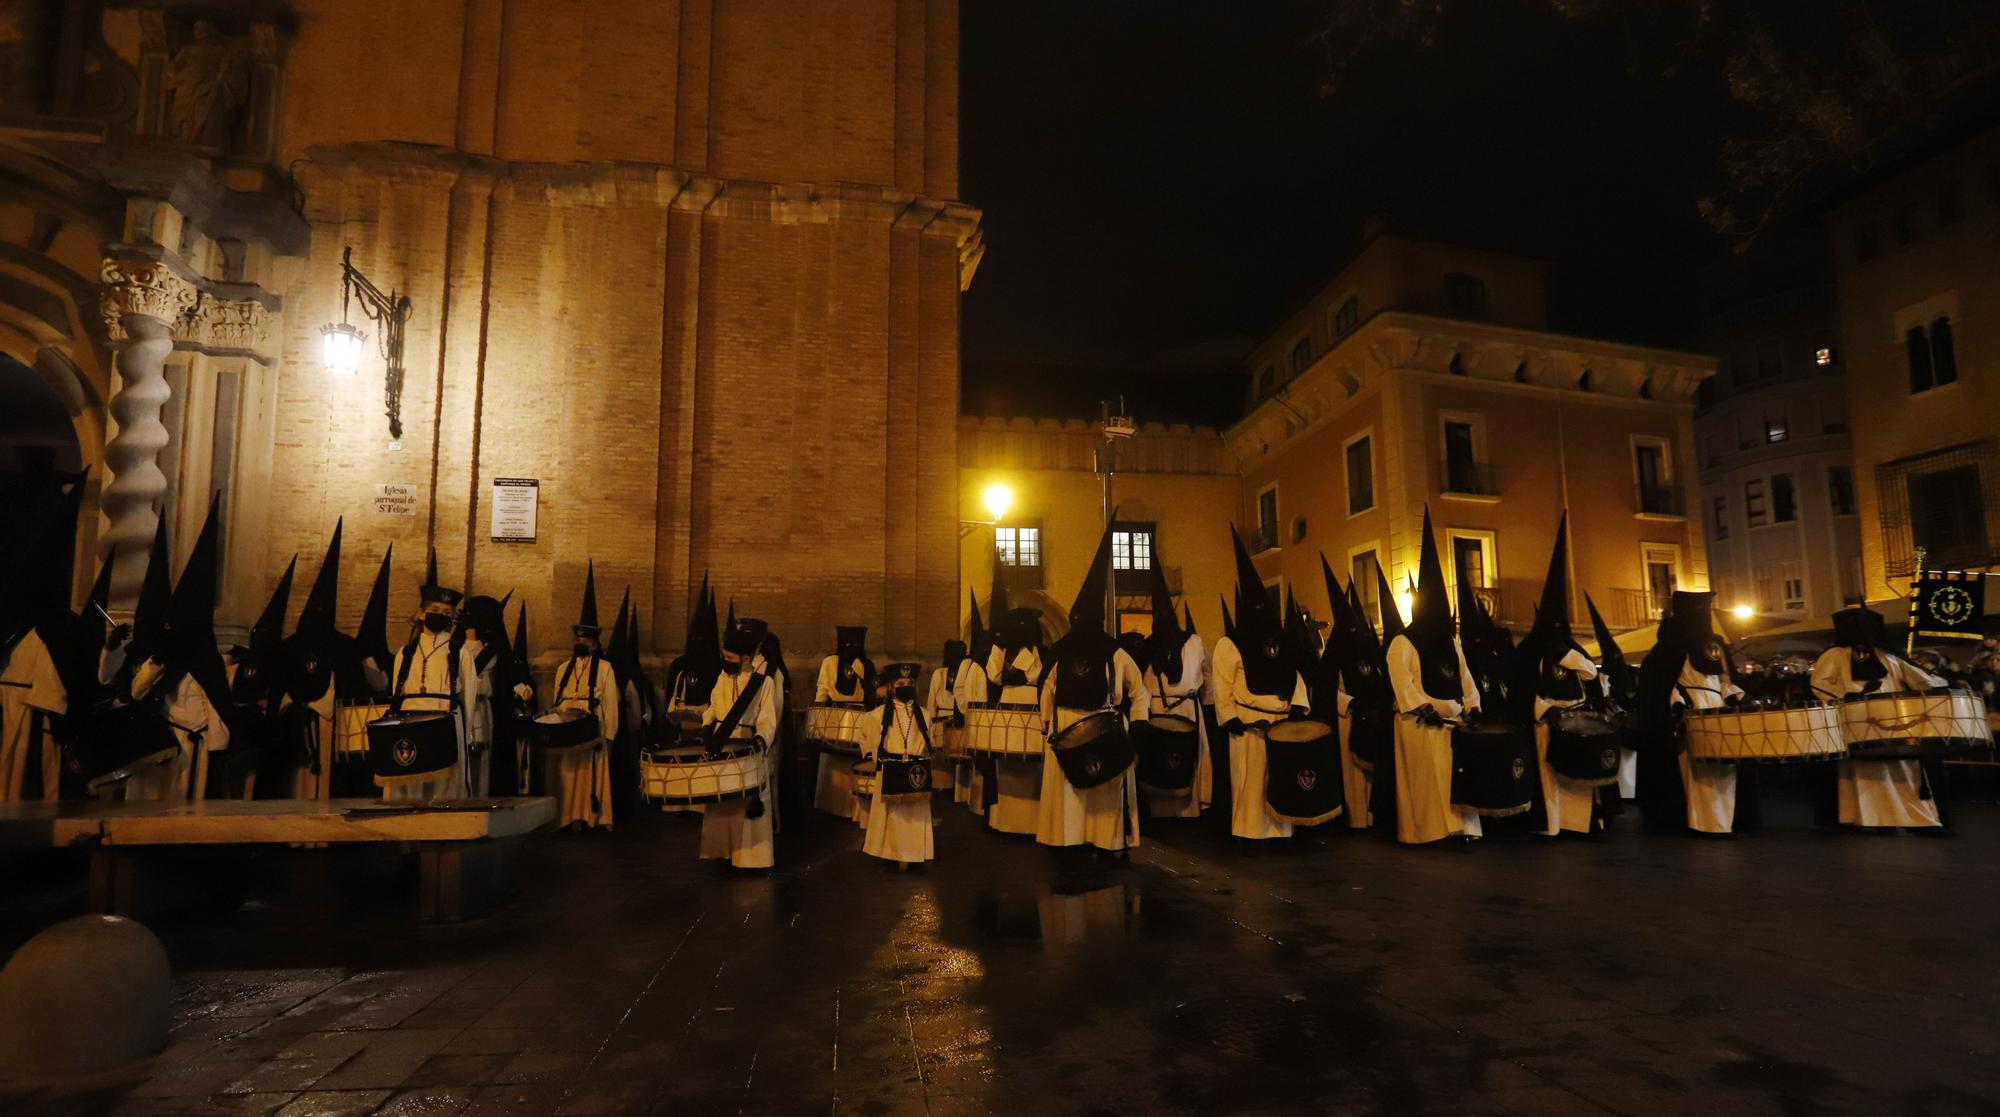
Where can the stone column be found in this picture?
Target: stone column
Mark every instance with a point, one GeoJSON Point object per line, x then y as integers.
{"type": "Point", "coordinates": [143, 303]}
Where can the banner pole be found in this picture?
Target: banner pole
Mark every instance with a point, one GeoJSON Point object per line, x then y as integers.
{"type": "Point", "coordinates": [1916, 579]}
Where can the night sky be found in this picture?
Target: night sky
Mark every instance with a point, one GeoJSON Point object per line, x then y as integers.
{"type": "Point", "coordinates": [1162, 181]}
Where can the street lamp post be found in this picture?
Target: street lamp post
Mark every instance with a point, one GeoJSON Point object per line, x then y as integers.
{"type": "Point", "coordinates": [1116, 428]}
{"type": "Point", "coordinates": [342, 340]}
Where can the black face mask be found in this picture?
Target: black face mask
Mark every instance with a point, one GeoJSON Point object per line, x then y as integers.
{"type": "Point", "coordinates": [905, 693]}
{"type": "Point", "coordinates": [581, 649]}
{"type": "Point", "coordinates": [437, 622]}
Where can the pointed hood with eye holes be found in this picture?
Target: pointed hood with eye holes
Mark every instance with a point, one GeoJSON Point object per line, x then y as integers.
{"type": "Point", "coordinates": [586, 615]}
{"type": "Point", "coordinates": [978, 641]}
{"type": "Point", "coordinates": [1270, 659]}
{"type": "Point", "coordinates": [1392, 617]}
{"type": "Point", "coordinates": [1080, 661]}
{"type": "Point", "coordinates": [269, 631]}
{"type": "Point", "coordinates": [1087, 610]}
{"type": "Point", "coordinates": [1686, 638]}
{"type": "Point", "coordinates": [191, 638]}
{"type": "Point", "coordinates": [1228, 621]}
{"type": "Point", "coordinates": [372, 636]}
{"type": "Point", "coordinates": [1624, 681]}
{"type": "Point", "coordinates": [316, 616]}
{"type": "Point", "coordinates": [1431, 629]}
{"type": "Point", "coordinates": [1163, 646]}
{"type": "Point", "coordinates": [1552, 638]}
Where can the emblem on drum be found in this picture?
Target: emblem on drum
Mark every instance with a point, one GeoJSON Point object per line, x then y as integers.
{"type": "Point", "coordinates": [1608, 758]}
{"type": "Point", "coordinates": [405, 753]}
{"type": "Point", "coordinates": [1520, 767]}
{"type": "Point", "coordinates": [1092, 766]}
{"type": "Point", "coordinates": [1308, 779]}
{"type": "Point", "coordinates": [1176, 760]}
{"type": "Point", "coordinates": [1949, 605]}
{"type": "Point", "coordinates": [920, 775]}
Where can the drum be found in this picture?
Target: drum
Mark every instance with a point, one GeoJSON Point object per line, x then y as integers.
{"type": "Point", "coordinates": [953, 739]}
{"type": "Point", "coordinates": [686, 775]}
{"type": "Point", "coordinates": [1302, 771]}
{"type": "Point", "coordinates": [835, 726]}
{"type": "Point", "coordinates": [1371, 735]}
{"type": "Point", "coordinates": [350, 728]}
{"type": "Point", "coordinates": [1168, 747]}
{"type": "Point", "coordinates": [1493, 768]}
{"type": "Point", "coordinates": [1583, 746]}
{"type": "Point", "coordinates": [412, 745]}
{"type": "Point", "coordinates": [564, 730]}
{"type": "Point", "coordinates": [123, 741]}
{"type": "Point", "coordinates": [1005, 729]}
{"type": "Point", "coordinates": [893, 777]}
{"type": "Point", "coordinates": [1094, 751]}
{"type": "Point", "coordinates": [1913, 723]}
{"type": "Point", "coordinates": [1795, 733]}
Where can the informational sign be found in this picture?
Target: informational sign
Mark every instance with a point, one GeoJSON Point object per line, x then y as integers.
{"type": "Point", "coordinates": [395, 500]}
{"type": "Point", "coordinates": [514, 501]}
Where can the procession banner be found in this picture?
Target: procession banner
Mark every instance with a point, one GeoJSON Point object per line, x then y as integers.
{"type": "Point", "coordinates": [1949, 605]}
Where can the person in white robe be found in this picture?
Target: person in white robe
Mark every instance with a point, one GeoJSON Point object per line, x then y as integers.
{"type": "Point", "coordinates": [1015, 667]}
{"type": "Point", "coordinates": [899, 826]}
{"type": "Point", "coordinates": [31, 696]}
{"type": "Point", "coordinates": [432, 673]}
{"type": "Point", "coordinates": [968, 689]}
{"type": "Point", "coordinates": [743, 707]}
{"type": "Point", "coordinates": [1174, 678]}
{"type": "Point", "coordinates": [1687, 667]}
{"type": "Point", "coordinates": [196, 725]}
{"type": "Point", "coordinates": [846, 678]}
{"type": "Point", "coordinates": [1434, 688]}
{"type": "Point", "coordinates": [1258, 680]}
{"type": "Point", "coordinates": [1875, 793]}
{"type": "Point", "coordinates": [1364, 701]}
{"type": "Point", "coordinates": [580, 778]}
{"type": "Point", "coordinates": [946, 717]}
{"type": "Point", "coordinates": [1564, 678]}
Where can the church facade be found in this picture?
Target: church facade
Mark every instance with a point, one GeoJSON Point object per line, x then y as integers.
{"type": "Point", "coordinates": [691, 268]}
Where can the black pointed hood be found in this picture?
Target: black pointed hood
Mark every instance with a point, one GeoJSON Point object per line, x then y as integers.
{"type": "Point", "coordinates": [316, 617]}
{"type": "Point", "coordinates": [615, 650]}
{"type": "Point", "coordinates": [1610, 656]}
{"type": "Point", "coordinates": [1552, 620]}
{"type": "Point", "coordinates": [1187, 618]}
{"type": "Point", "coordinates": [1270, 657]}
{"type": "Point", "coordinates": [100, 590]}
{"type": "Point", "coordinates": [519, 645]}
{"type": "Point", "coordinates": [192, 639]}
{"type": "Point", "coordinates": [1228, 621]}
{"type": "Point", "coordinates": [997, 606]}
{"type": "Point", "coordinates": [978, 643]}
{"type": "Point", "coordinates": [373, 634]}
{"type": "Point", "coordinates": [1163, 646]}
{"type": "Point", "coordinates": [586, 615]}
{"type": "Point", "coordinates": [1253, 607]}
{"type": "Point", "coordinates": [1392, 617]}
{"type": "Point", "coordinates": [156, 592]}
{"type": "Point", "coordinates": [1087, 610]}
{"type": "Point", "coordinates": [1431, 629]}
{"type": "Point", "coordinates": [269, 631]}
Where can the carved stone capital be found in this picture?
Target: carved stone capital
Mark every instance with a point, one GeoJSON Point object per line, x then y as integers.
{"type": "Point", "coordinates": [146, 289]}
{"type": "Point", "coordinates": [228, 324]}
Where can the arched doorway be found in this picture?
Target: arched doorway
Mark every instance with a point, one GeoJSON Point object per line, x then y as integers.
{"type": "Point", "coordinates": [39, 453]}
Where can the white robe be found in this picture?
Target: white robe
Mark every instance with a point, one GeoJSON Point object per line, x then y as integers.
{"type": "Point", "coordinates": [1017, 803]}
{"type": "Point", "coordinates": [940, 706]}
{"type": "Point", "coordinates": [1710, 785]}
{"type": "Point", "coordinates": [1181, 697]}
{"type": "Point", "coordinates": [30, 691]}
{"type": "Point", "coordinates": [833, 790]}
{"type": "Point", "coordinates": [969, 786]}
{"type": "Point", "coordinates": [200, 731]}
{"type": "Point", "coordinates": [428, 687]}
{"type": "Point", "coordinates": [727, 830]}
{"type": "Point", "coordinates": [1423, 752]}
{"type": "Point", "coordinates": [1250, 811]}
{"type": "Point", "coordinates": [1567, 802]}
{"type": "Point", "coordinates": [1878, 792]}
{"type": "Point", "coordinates": [1355, 781]}
{"type": "Point", "coordinates": [899, 829]}
{"type": "Point", "coordinates": [580, 778]}
{"type": "Point", "coordinates": [1105, 816]}
{"type": "Point", "coordinates": [479, 722]}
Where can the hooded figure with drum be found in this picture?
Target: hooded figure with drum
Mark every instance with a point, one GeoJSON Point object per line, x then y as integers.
{"type": "Point", "coordinates": [1577, 740]}
{"type": "Point", "coordinates": [1893, 713]}
{"type": "Point", "coordinates": [1174, 764]}
{"type": "Point", "coordinates": [895, 770]}
{"type": "Point", "coordinates": [740, 728]}
{"type": "Point", "coordinates": [1260, 684]}
{"type": "Point", "coordinates": [968, 689]}
{"type": "Point", "coordinates": [1010, 732]}
{"type": "Point", "coordinates": [1091, 687]}
{"type": "Point", "coordinates": [1687, 675]}
{"type": "Point", "coordinates": [573, 737]}
{"type": "Point", "coordinates": [1357, 676]}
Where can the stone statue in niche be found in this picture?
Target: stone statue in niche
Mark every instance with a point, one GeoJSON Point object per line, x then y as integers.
{"type": "Point", "coordinates": [24, 52]}
{"type": "Point", "coordinates": [209, 82]}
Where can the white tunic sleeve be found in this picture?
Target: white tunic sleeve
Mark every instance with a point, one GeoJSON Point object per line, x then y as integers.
{"type": "Point", "coordinates": [1228, 668]}
{"type": "Point", "coordinates": [971, 684]}
{"type": "Point", "coordinates": [32, 664]}
{"type": "Point", "coordinates": [1406, 675]}
{"type": "Point", "coordinates": [606, 690]}
{"type": "Point", "coordinates": [1129, 683]}
{"type": "Point", "coordinates": [829, 674]}
{"type": "Point", "coordinates": [1829, 674]}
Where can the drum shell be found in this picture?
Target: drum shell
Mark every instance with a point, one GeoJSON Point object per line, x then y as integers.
{"type": "Point", "coordinates": [563, 730]}
{"type": "Point", "coordinates": [415, 744]}
{"type": "Point", "coordinates": [1792, 733]}
{"type": "Point", "coordinates": [123, 740]}
{"type": "Point", "coordinates": [1371, 735]}
{"type": "Point", "coordinates": [1584, 747]}
{"type": "Point", "coordinates": [1094, 750]}
{"type": "Point", "coordinates": [900, 776]}
{"type": "Point", "coordinates": [1922, 723]}
{"type": "Point", "coordinates": [1493, 769]}
{"type": "Point", "coordinates": [691, 775]}
{"type": "Point", "coordinates": [835, 726]}
{"type": "Point", "coordinates": [1004, 729]}
{"type": "Point", "coordinates": [1168, 747]}
{"type": "Point", "coordinates": [1302, 782]}
{"type": "Point", "coordinates": [350, 727]}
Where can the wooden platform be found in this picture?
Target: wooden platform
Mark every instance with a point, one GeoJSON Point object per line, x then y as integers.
{"type": "Point", "coordinates": [465, 848]}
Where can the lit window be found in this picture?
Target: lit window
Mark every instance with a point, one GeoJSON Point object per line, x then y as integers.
{"type": "Point", "coordinates": [1019, 546]}
{"type": "Point", "coordinates": [1132, 550]}
{"type": "Point", "coordinates": [1823, 356]}
{"type": "Point", "coordinates": [1774, 428]}
{"type": "Point", "coordinates": [1267, 519]}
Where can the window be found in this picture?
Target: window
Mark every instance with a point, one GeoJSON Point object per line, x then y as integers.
{"type": "Point", "coordinates": [1794, 586]}
{"type": "Point", "coordinates": [1948, 517]}
{"type": "Point", "coordinates": [1833, 415]}
{"type": "Point", "coordinates": [1906, 224]}
{"type": "Point", "coordinates": [1473, 567]}
{"type": "Point", "coordinates": [1774, 427]}
{"type": "Point", "coordinates": [1463, 471]}
{"type": "Point", "coordinates": [1267, 382]}
{"type": "Point", "coordinates": [1267, 519]}
{"type": "Point", "coordinates": [1019, 546]}
{"type": "Point", "coordinates": [1944, 358]}
{"type": "Point", "coordinates": [1360, 475]}
{"type": "Point", "coordinates": [1770, 360]}
{"type": "Point", "coordinates": [1866, 245]}
{"type": "Point", "coordinates": [1365, 572]}
{"type": "Point", "coordinates": [1302, 354]}
{"type": "Point", "coordinates": [1917, 348]}
{"type": "Point", "coordinates": [1347, 317]}
{"type": "Point", "coordinates": [1652, 474]}
{"type": "Point", "coordinates": [1784, 499]}
{"type": "Point", "coordinates": [1754, 512]}
{"type": "Point", "coordinates": [1464, 294]}
{"type": "Point", "coordinates": [1948, 209]}
{"type": "Point", "coordinates": [1823, 356]}
{"type": "Point", "coordinates": [1131, 546]}
{"type": "Point", "coordinates": [1662, 566]}
{"type": "Point", "coordinates": [1746, 432]}
{"type": "Point", "coordinates": [1721, 518]}
{"type": "Point", "coordinates": [1840, 489]}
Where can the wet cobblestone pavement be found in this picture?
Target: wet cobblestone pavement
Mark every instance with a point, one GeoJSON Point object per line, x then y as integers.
{"type": "Point", "coordinates": [1792, 972]}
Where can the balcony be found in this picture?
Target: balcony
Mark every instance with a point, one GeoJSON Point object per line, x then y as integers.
{"type": "Point", "coordinates": [1475, 480]}
{"type": "Point", "coordinates": [1633, 609]}
{"type": "Point", "coordinates": [1658, 500]}
{"type": "Point", "coordinates": [1263, 537]}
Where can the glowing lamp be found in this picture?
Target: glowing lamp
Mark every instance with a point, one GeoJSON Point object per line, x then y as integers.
{"type": "Point", "coordinates": [1743, 612]}
{"type": "Point", "coordinates": [1405, 602]}
{"type": "Point", "coordinates": [998, 499]}
{"type": "Point", "coordinates": [342, 346]}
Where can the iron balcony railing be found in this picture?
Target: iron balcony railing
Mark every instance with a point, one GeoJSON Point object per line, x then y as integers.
{"type": "Point", "coordinates": [1659, 500]}
{"type": "Point", "coordinates": [1470, 478]}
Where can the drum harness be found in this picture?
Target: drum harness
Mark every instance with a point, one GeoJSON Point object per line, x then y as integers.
{"type": "Point", "coordinates": [1124, 803]}
{"type": "Point", "coordinates": [590, 697]}
{"type": "Point", "coordinates": [412, 651]}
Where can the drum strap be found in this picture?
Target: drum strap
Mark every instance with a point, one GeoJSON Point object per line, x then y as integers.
{"type": "Point", "coordinates": [562, 684]}
{"type": "Point", "coordinates": [726, 728]}
{"type": "Point", "coordinates": [411, 652]}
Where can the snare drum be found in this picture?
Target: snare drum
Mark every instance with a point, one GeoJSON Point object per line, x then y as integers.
{"type": "Point", "coordinates": [835, 726]}
{"type": "Point", "coordinates": [1302, 771]}
{"type": "Point", "coordinates": [1005, 729]}
{"type": "Point", "coordinates": [893, 777]}
{"type": "Point", "coordinates": [1796, 733]}
{"type": "Point", "coordinates": [1094, 751]}
{"type": "Point", "coordinates": [1583, 747]}
{"type": "Point", "coordinates": [1168, 746]}
{"type": "Point", "coordinates": [350, 727]}
{"type": "Point", "coordinates": [1914, 723]}
{"type": "Point", "coordinates": [412, 745]}
{"type": "Point", "coordinates": [564, 730]}
{"type": "Point", "coordinates": [1493, 768]}
{"type": "Point", "coordinates": [687, 775]}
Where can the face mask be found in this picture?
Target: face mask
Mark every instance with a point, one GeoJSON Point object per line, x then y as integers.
{"type": "Point", "coordinates": [905, 693]}
{"type": "Point", "coordinates": [581, 649]}
{"type": "Point", "coordinates": [437, 622]}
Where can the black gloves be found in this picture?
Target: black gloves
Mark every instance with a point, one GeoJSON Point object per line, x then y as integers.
{"type": "Point", "coordinates": [1233, 725]}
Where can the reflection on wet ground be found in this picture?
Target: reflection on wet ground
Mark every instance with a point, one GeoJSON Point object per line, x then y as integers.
{"type": "Point", "coordinates": [1792, 972]}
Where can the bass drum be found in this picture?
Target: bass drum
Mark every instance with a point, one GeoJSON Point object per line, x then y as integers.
{"type": "Point", "coordinates": [1493, 768]}
{"type": "Point", "coordinates": [1371, 735]}
{"type": "Point", "coordinates": [1168, 747]}
{"type": "Point", "coordinates": [412, 745]}
{"type": "Point", "coordinates": [1302, 771]}
{"type": "Point", "coordinates": [564, 730]}
{"type": "Point", "coordinates": [123, 741]}
{"type": "Point", "coordinates": [1583, 746]}
{"type": "Point", "coordinates": [1094, 751]}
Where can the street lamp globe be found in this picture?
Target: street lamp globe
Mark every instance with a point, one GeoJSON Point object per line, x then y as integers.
{"type": "Point", "coordinates": [998, 499]}
{"type": "Point", "coordinates": [342, 346]}
{"type": "Point", "coordinates": [1744, 612]}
